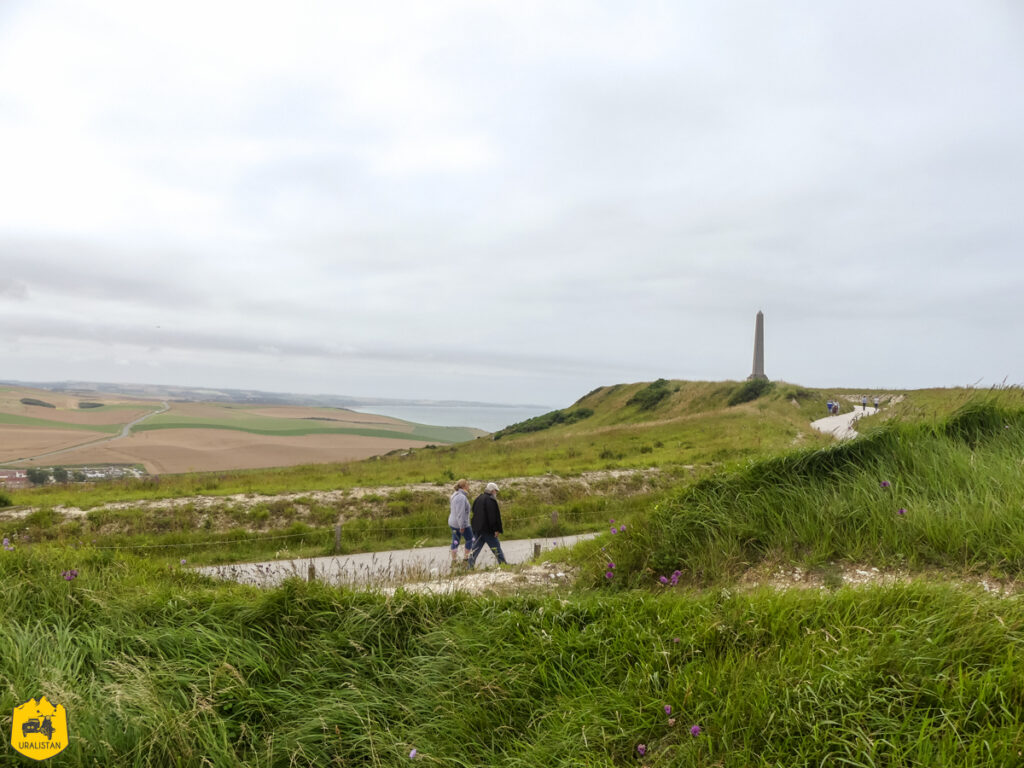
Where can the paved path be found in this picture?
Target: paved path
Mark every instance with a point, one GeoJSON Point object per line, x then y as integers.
{"type": "Point", "coordinates": [379, 567]}
{"type": "Point", "coordinates": [841, 426]}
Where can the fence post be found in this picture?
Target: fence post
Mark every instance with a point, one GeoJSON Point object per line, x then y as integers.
{"type": "Point", "coordinates": [311, 574]}
{"type": "Point", "coordinates": [536, 549]}
{"type": "Point", "coordinates": [554, 517]}
{"type": "Point", "coordinates": [337, 538]}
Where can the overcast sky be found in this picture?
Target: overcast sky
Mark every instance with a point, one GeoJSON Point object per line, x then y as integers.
{"type": "Point", "coordinates": [511, 202]}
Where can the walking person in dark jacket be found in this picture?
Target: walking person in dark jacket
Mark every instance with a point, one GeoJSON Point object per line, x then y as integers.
{"type": "Point", "coordinates": [486, 525]}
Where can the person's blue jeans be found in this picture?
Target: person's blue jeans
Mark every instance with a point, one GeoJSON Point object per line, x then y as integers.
{"type": "Point", "coordinates": [465, 533]}
{"type": "Point", "coordinates": [491, 540]}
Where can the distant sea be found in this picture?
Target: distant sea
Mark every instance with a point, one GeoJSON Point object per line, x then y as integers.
{"type": "Point", "coordinates": [488, 418]}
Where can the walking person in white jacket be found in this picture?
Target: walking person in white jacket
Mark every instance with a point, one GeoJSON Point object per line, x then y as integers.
{"type": "Point", "coordinates": [458, 520]}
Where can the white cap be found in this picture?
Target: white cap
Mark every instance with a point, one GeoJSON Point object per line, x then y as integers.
{"type": "Point", "coordinates": [491, 488]}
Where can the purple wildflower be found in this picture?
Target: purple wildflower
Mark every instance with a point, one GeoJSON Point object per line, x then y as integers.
{"type": "Point", "coordinates": [7, 545]}
{"type": "Point", "coordinates": [609, 575]}
{"type": "Point", "coordinates": [69, 575]}
{"type": "Point", "coordinates": [412, 754]}
{"type": "Point", "coordinates": [675, 639]}
{"type": "Point", "coordinates": [611, 520]}
{"type": "Point", "coordinates": [668, 709]}
{"type": "Point", "coordinates": [613, 529]}
{"type": "Point", "coordinates": [642, 749]}
{"type": "Point", "coordinates": [884, 483]}
{"type": "Point", "coordinates": [663, 580]}
{"type": "Point", "coordinates": [695, 730]}
{"type": "Point", "coordinates": [611, 565]}
{"type": "Point", "coordinates": [183, 561]}
{"type": "Point", "coordinates": [622, 529]}
{"type": "Point", "coordinates": [901, 511]}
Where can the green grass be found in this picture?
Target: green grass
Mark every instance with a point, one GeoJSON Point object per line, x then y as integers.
{"type": "Point", "coordinates": [157, 667]}
{"type": "Point", "coordinates": [29, 421]}
{"type": "Point", "coordinates": [281, 528]}
{"type": "Point", "coordinates": [288, 427]}
{"type": "Point", "coordinates": [958, 480]}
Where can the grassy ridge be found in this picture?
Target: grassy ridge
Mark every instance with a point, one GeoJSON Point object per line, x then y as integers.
{"type": "Point", "coordinates": [160, 668]}
{"type": "Point", "coordinates": [957, 481]}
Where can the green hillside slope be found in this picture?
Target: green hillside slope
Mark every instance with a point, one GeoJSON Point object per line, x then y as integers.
{"type": "Point", "coordinates": [909, 494]}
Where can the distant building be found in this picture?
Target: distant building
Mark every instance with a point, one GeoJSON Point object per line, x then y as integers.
{"type": "Point", "coordinates": [14, 478]}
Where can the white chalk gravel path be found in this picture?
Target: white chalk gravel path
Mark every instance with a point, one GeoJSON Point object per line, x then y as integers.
{"type": "Point", "coordinates": [841, 426]}
{"type": "Point", "coordinates": [380, 568]}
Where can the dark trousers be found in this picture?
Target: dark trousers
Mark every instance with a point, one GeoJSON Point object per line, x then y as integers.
{"type": "Point", "coordinates": [478, 544]}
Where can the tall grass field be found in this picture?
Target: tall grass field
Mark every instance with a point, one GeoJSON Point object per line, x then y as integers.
{"type": "Point", "coordinates": [663, 653]}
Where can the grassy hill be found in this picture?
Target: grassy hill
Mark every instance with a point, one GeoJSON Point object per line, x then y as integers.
{"type": "Point", "coordinates": [158, 666]}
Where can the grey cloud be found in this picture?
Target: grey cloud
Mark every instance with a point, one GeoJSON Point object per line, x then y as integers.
{"type": "Point", "coordinates": [13, 289]}
{"type": "Point", "coordinates": [87, 269]}
{"type": "Point", "coordinates": [153, 340]}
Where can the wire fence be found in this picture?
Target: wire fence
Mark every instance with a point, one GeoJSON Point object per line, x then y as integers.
{"type": "Point", "coordinates": [338, 530]}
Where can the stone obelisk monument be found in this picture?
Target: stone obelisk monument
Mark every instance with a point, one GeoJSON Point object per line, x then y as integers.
{"type": "Point", "coordinates": [758, 349]}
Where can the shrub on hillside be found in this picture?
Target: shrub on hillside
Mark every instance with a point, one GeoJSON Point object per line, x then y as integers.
{"type": "Point", "coordinates": [794, 392]}
{"type": "Point", "coordinates": [545, 421]}
{"type": "Point", "coordinates": [5, 500]}
{"type": "Point", "coordinates": [90, 405]}
{"type": "Point", "coordinates": [751, 390]}
{"type": "Point", "coordinates": [650, 396]}
{"type": "Point", "coordinates": [40, 403]}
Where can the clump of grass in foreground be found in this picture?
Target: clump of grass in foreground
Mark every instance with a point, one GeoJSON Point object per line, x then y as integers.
{"type": "Point", "coordinates": [919, 495]}
{"type": "Point", "coordinates": [158, 667]}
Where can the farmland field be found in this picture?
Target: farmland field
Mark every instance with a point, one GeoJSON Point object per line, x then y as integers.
{"type": "Point", "coordinates": [40, 428]}
{"type": "Point", "coordinates": [189, 450]}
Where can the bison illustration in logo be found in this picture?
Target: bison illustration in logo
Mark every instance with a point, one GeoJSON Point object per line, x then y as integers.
{"type": "Point", "coordinates": [40, 729]}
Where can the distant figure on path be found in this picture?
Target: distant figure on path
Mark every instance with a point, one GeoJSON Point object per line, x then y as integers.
{"type": "Point", "coordinates": [864, 402]}
{"type": "Point", "coordinates": [487, 524]}
{"type": "Point", "coordinates": [829, 406]}
{"type": "Point", "coordinates": [876, 402]}
{"type": "Point", "coordinates": [458, 519]}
